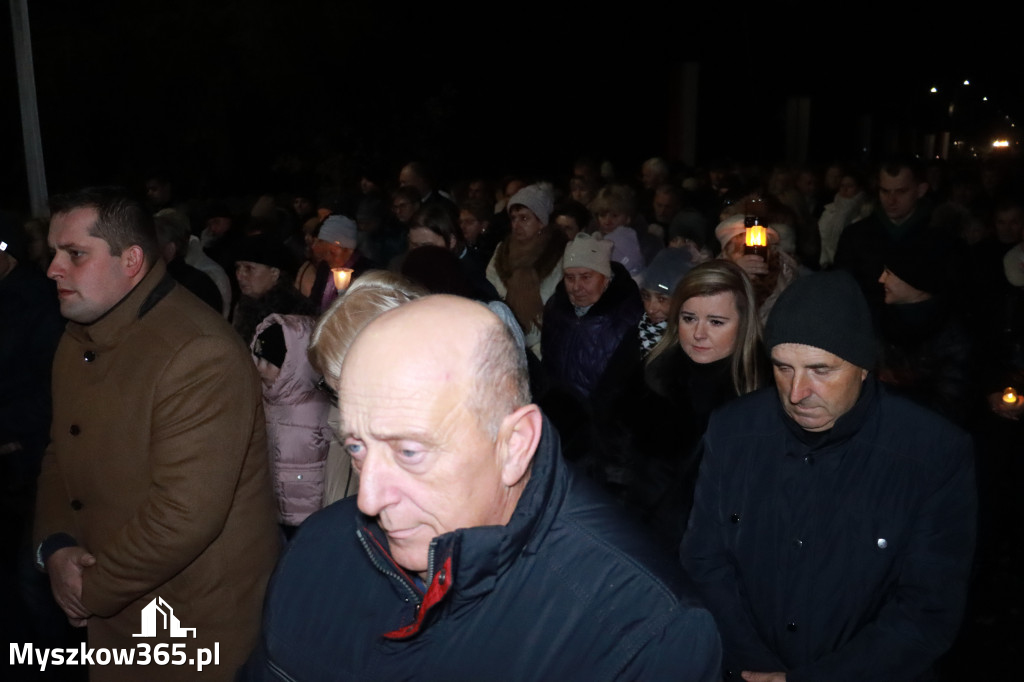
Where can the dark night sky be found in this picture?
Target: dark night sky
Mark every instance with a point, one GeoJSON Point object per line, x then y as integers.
{"type": "Point", "coordinates": [215, 90]}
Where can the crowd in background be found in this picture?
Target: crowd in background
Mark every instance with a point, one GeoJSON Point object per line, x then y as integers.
{"type": "Point", "coordinates": [636, 292]}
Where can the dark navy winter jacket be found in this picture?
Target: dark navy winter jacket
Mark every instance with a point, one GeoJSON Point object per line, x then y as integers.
{"type": "Point", "coordinates": [841, 555]}
{"type": "Point", "coordinates": [567, 590]}
{"type": "Point", "coordinates": [576, 350]}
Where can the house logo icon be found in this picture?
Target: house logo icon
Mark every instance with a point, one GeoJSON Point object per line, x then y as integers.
{"type": "Point", "coordinates": [159, 614]}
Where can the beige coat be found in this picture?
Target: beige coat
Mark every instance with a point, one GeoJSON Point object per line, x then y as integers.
{"type": "Point", "coordinates": [158, 467]}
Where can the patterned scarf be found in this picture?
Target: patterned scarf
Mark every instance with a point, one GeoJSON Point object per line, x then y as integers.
{"type": "Point", "coordinates": [650, 333]}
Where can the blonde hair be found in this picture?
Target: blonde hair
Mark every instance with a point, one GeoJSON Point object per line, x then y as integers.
{"type": "Point", "coordinates": [708, 279]}
{"type": "Point", "coordinates": [614, 198]}
{"type": "Point", "coordinates": [373, 293]}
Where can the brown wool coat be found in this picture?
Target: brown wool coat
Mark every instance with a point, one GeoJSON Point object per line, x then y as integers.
{"type": "Point", "coordinates": [158, 467]}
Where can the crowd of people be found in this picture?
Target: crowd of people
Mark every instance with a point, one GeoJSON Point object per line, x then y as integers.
{"type": "Point", "coordinates": [799, 384]}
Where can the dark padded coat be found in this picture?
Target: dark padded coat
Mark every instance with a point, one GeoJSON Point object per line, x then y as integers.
{"type": "Point", "coordinates": [841, 555]}
{"type": "Point", "coordinates": [567, 590]}
{"type": "Point", "coordinates": [576, 350]}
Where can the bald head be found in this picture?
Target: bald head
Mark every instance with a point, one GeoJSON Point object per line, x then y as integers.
{"type": "Point", "coordinates": [434, 413]}
{"type": "Point", "coordinates": [448, 340]}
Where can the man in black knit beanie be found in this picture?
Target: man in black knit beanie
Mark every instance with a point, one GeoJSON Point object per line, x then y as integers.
{"type": "Point", "coordinates": [833, 523]}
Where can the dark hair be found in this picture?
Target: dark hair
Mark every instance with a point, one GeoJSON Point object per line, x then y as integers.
{"type": "Point", "coordinates": [408, 193]}
{"type": "Point", "coordinates": [855, 173]}
{"type": "Point", "coordinates": [895, 166]}
{"type": "Point", "coordinates": [574, 210]}
{"type": "Point", "coordinates": [1007, 203]}
{"type": "Point", "coordinates": [122, 221]}
{"type": "Point", "coordinates": [422, 171]}
{"type": "Point", "coordinates": [668, 188]}
{"type": "Point", "coordinates": [437, 219]}
{"type": "Point", "coordinates": [172, 227]}
{"type": "Point", "coordinates": [479, 209]}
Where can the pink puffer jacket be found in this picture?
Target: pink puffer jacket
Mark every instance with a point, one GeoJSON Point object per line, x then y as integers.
{"type": "Point", "coordinates": [297, 432]}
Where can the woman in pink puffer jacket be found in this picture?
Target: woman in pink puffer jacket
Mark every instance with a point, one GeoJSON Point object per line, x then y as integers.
{"type": "Point", "coordinates": [298, 435]}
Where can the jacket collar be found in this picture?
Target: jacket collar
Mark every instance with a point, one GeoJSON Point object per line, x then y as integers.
{"type": "Point", "coordinates": [468, 562]}
{"type": "Point", "coordinates": [485, 553]}
{"type": "Point", "coordinates": [108, 329]}
{"type": "Point", "coordinates": [846, 427]}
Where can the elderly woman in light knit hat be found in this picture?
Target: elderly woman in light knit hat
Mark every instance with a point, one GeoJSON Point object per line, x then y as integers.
{"type": "Point", "coordinates": [527, 265]}
{"type": "Point", "coordinates": [592, 311]}
{"type": "Point", "coordinates": [770, 275]}
{"type": "Point", "coordinates": [333, 247]}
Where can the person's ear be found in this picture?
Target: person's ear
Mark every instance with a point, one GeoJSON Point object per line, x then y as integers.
{"type": "Point", "coordinates": [133, 260]}
{"type": "Point", "coordinates": [518, 437]}
{"type": "Point", "coordinates": [276, 272]}
{"type": "Point", "coordinates": [922, 189]}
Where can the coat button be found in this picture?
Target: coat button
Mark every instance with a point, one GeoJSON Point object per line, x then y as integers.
{"type": "Point", "coordinates": [74, 430]}
{"type": "Point", "coordinates": [298, 477]}
{"type": "Point", "coordinates": [76, 505]}
{"type": "Point", "coordinates": [791, 626]}
{"type": "Point", "coordinates": [798, 543]}
{"type": "Point", "coordinates": [89, 356]}
{"type": "Point", "coordinates": [442, 577]}
{"type": "Point", "coordinates": [882, 543]}
{"type": "Point", "coordinates": [809, 459]}
{"type": "Point", "coordinates": [735, 518]}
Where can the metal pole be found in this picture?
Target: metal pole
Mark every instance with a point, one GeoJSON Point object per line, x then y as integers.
{"type": "Point", "coordinates": [29, 111]}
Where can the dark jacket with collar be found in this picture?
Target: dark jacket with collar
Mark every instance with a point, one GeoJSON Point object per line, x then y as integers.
{"type": "Point", "coordinates": [567, 590]}
{"type": "Point", "coordinates": [836, 556]}
{"type": "Point", "coordinates": [865, 245]}
{"type": "Point", "coordinates": [576, 349]}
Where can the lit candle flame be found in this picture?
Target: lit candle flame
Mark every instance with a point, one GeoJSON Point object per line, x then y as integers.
{"type": "Point", "coordinates": [757, 236]}
{"type": "Point", "coordinates": [1010, 396]}
{"type": "Point", "coordinates": [342, 277]}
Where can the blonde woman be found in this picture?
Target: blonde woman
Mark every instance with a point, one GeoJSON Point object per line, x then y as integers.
{"type": "Point", "coordinates": [374, 293]}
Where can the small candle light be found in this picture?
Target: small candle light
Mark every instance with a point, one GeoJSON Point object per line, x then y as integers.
{"type": "Point", "coordinates": [756, 240]}
{"type": "Point", "coordinates": [1010, 396]}
{"type": "Point", "coordinates": [342, 277]}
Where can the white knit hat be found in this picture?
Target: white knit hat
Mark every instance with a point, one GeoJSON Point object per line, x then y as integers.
{"type": "Point", "coordinates": [586, 252]}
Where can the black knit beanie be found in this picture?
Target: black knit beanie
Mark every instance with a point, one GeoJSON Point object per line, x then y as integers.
{"type": "Point", "coordinates": [826, 310]}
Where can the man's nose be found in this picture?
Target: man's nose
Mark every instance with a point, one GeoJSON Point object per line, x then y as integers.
{"type": "Point", "coordinates": [54, 270]}
{"type": "Point", "coordinates": [799, 389]}
{"type": "Point", "coordinates": [375, 484]}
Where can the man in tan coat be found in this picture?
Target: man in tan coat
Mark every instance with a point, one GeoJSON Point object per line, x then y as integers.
{"type": "Point", "coordinates": [155, 513]}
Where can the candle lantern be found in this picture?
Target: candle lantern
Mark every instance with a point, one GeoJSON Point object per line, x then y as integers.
{"type": "Point", "coordinates": [1010, 396]}
{"type": "Point", "coordinates": [757, 238]}
{"type": "Point", "coordinates": [342, 277]}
